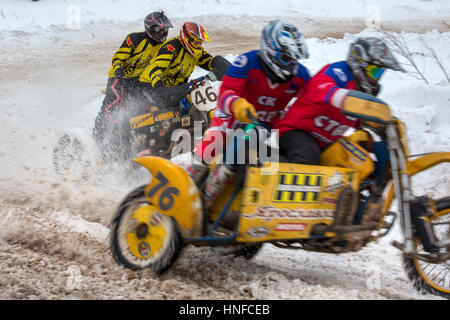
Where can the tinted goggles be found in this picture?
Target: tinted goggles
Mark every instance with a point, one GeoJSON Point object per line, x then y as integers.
{"type": "Point", "coordinates": [374, 71]}
{"type": "Point", "coordinates": [160, 31]}
{"type": "Point", "coordinates": [285, 59]}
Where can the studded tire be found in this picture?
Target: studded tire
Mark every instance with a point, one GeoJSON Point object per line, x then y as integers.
{"type": "Point", "coordinates": [158, 248]}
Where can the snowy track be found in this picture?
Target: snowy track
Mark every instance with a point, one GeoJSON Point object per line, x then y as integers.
{"type": "Point", "coordinates": [54, 233]}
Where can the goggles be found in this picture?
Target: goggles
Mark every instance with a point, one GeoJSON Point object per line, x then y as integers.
{"type": "Point", "coordinates": [285, 59]}
{"type": "Point", "coordinates": [194, 41]}
{"type": "Point", "coordinates": [160, 31]}
{"type": "Point", "coordinates": [374, 71]}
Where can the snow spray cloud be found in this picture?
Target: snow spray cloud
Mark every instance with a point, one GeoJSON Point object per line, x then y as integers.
{"type": "Point", "coordinates": [73, 21]}
{"type": "Point", "coordinates": [241, 146]}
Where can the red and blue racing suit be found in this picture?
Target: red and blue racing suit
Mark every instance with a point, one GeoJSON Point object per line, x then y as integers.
{"type": "Point", "coordinates": [246, 79]}
{"type": "Point", "coordinates": [317, 110]}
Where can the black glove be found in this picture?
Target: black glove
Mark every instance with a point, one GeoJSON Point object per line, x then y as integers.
{"type": "Point", "coordinates": [167, 97]}
{"type": "Point", "coordinates": [219, 66]}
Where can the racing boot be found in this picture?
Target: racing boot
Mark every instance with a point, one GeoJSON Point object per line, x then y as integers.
{"type": "Point", "coordinates": [216, 181]}
{"type": "Point", "coordinates": [419, 217]}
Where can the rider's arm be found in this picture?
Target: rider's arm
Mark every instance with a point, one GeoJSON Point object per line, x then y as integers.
{"type": "Point", "coordinates": [233, 84]}
{"type": "Point", "coordinates": [330, 85]}
{"type": "Point", "coordinates": [205, 60]}
{"type": "Point", "coordinates": [132, 45]}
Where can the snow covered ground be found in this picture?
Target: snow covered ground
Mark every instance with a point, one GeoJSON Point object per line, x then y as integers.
{"type": "Point", "coordinates": [53, 231]}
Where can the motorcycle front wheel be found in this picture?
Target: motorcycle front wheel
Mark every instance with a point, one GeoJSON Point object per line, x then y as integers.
{"type": "Point", "coordinates": [429, 277]}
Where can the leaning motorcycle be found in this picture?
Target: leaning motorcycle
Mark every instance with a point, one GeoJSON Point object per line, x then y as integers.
{"type": "Point", "coordinates": [337, 207]}
{"type": "Point", "coordinates": [142, 133]}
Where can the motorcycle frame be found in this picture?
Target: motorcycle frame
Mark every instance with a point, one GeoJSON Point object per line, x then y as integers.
{"type": "Point", "coordinates": [402, 171]}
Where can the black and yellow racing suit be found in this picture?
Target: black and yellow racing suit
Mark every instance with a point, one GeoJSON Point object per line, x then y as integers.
{"type": "Point", "coordinates": [133, 56]}
{"type": "Point", "coordinates": [173, 65]}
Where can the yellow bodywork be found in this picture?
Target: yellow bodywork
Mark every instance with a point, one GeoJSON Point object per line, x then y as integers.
{"type": "Point", "coordinates": [173, 193]}
{"type": "Point", "coordinates": [347, 153]}
{"type": "Point", "coordinates": [288, 203]}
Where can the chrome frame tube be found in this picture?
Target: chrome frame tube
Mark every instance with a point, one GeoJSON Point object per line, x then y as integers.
{"type": "Point", "coordinates": [402, 185]}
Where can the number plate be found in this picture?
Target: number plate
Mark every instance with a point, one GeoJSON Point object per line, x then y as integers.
{"type": "Point", "coordinates": [204, 98]}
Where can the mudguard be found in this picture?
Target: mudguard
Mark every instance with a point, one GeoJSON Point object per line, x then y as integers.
{"type": "Point", "coordinates": [173, 192]}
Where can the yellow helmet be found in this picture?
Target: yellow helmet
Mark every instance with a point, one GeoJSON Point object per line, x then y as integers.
{"type": "Point", "coordinates": [192, 36]}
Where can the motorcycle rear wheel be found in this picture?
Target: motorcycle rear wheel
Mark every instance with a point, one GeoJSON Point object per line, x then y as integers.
{"type": "Point", "coordinates": [428, 277]}
{"type": "Point", "coordinates": [141, 237]}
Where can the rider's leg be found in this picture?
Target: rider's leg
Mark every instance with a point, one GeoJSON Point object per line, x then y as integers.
{"type": "Point", "coordinates": [102, 124]}
{"type": "Point", "coordinates": [299, 147]}
{"type": "Point", "coordinates": [211, 145]}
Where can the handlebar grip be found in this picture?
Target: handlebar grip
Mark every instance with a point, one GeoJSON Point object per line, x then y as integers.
{"type": "Point", "coordinates": [252, 117]}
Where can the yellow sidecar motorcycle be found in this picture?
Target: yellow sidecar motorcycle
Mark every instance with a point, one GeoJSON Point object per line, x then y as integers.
{"type": "Point", "coordinates": [337, 207]}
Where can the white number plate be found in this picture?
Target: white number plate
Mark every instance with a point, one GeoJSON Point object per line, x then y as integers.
{"type": "Point", "coordinates": [205, 97]}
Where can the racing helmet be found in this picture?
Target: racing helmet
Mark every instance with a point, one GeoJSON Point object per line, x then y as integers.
{"type": "Point", "coordinates": [282, 44]}
{"type": "Point", "coordinates": [192, 36]}
{"type": "Point", "coordinates": [367, 60]}
{"type": "Point", "coordinates": [157, 26]}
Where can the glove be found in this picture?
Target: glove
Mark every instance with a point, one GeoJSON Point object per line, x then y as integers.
{"type": "Point", "coordinates": [241, 108]}
{"type": "Point", "coordinates": [169, 97]}
{"type": "Point", "coordinates": [219, 66]}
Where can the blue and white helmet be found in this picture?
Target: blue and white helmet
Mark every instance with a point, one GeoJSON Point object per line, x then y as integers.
{"type": "Point", "coordinates": [282, 44]}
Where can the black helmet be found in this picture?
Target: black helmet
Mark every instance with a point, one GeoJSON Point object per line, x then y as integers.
{"type": "Point", "coordinates": [157, 26]}
{"type": "Point", "coordinates": [368, 58]}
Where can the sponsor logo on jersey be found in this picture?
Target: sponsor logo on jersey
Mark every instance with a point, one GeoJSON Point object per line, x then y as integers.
{"type": "Point", "coordinates": [341, 75]}
{"type": "Point", "coordinates": [330, 125]}
{"type": "Point", "coordinates": [267, 101]}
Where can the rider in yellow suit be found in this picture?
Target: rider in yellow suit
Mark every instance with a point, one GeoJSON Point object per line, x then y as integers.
{"type": "Point", "coordinates": [164, 81]}
{"type": "Point", "coordinates": [128, 63]}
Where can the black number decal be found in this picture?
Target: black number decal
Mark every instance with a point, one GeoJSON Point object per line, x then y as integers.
{"type": "Point", "coordinates": [163, 181]}
{"type": "Point", "coordinates": [211, 94]}
{"type": "Point", "coordinates": [167, 197]}
{"type": "Point", "coordinates": [199, 99]}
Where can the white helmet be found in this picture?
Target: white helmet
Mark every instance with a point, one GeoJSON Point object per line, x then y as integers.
{"type": "Point", "coordinates": [282, 44]}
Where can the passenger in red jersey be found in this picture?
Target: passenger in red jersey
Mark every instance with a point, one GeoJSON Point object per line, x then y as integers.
{"type": "Point", "coordinates": [260, 83]}
{"type": "Point", "coordinates": [315, 119]}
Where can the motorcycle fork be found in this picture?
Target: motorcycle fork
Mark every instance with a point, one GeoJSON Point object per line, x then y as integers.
{"type": "Point", "coordinates": [402, 185]}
